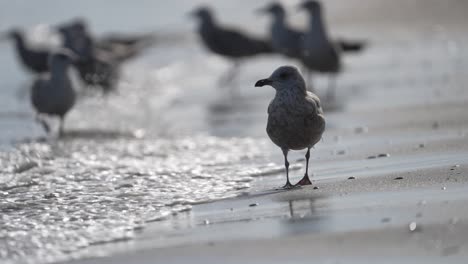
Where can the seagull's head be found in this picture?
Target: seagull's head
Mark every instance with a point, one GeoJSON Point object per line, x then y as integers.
{"type": "Point", "coordinates": [311, 6]}
{"type": "Point", "coordinates": [203, 13]}
{"type": "Point", "coordinates": [13, 33]}
{"type": "Point", "coordinates": [274, 8]}
{"type": "Point", "coordinates": [283, 78]}
{"type": "Point", "coordinates": [76, 25]}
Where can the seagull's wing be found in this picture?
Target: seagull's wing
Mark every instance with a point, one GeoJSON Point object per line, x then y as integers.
{"type": "Point", "coordinates": [314, 102]}
{"type": "Point", "coordinates": [314, 114]}
{"type": "Point", "coordinates": [238, 44]}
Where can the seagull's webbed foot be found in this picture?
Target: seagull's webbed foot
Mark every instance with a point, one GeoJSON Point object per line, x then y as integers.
{"type": "Point", "coordinates": [288, 185]}
{"type": "Point", "coordinates": [304, 181]}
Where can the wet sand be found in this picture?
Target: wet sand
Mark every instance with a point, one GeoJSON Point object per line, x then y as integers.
{"type": "Point", "coordinates": [391, 172]}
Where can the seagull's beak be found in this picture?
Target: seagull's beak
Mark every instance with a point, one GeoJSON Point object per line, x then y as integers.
{"type": "Point", "coordinates": [4, 36]}
{"type": "Point", "coordinates": [263, 82]}
{"type": "Point", "coordinates": [192, 14]}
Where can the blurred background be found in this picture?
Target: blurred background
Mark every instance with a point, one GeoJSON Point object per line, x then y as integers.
{"type": "Point", "coordinates": [170, 135]}
{"type": "Point", "coordinates": [178, 69]}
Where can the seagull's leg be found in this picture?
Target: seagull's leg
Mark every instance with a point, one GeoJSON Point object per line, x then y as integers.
{"type": "Point", "coordinates": [286, 164]}
{"type": "Point", "coordinates": [234, 80]}
{"type": "Point", "coordinates": [43, 123]}
{"type": "Point", "coordinates": [306, 180]}
{"type": "Point", "coordinates": [61, 125]}
{"type": "Point", "coordinates": [331, 91]}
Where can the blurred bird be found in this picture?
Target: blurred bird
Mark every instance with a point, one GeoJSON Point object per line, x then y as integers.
{"type": "Point", "coordinates": [115, 42]}
{"type": "Point", "coordinates": [117, 47]}
{"type": "Point", "coordinates": [53, 94]}
{"type": "Point", "coordinates": [229, 43]}
{"type": "Point", "coordinates": [288, 41]}
{"type": "Point", "coordinates": [33, 58]}
{"type": "Point", "coordinates": [96, 69]}
{"type": "Point", "coordinates": [293, 43]}
{"type": "Point", "coordinates": [295, 116]}
{"type": "Point", "coordinates": [284, 39]}
{"type": "Point", "coordinates": [320, 54]}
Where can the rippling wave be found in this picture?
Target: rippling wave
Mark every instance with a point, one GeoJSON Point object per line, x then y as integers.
{"type": "Point", "coordinates": [58, 197]}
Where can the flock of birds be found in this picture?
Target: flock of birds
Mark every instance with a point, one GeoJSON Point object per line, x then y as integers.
{"type": "Point", "coordinates": [97, 61]}
{"type": "Point", "coordinates": [295, 115]}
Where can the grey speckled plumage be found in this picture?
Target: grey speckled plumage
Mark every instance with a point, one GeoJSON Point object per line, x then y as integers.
{"type": "Point", "coordinates": [53, 94]}
{"type": "Point", "coordinates": [295, 116]}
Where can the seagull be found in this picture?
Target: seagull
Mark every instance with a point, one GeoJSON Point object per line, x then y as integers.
{"type": "Point", "coordinates": [117, 47]}
{"type": "Point", "coordinates": [320, 54]}
{"type": "Point", "coordinates": [53, 94]}
{"type": "Point", "coordinates": [34, 59]}
{"type": "Point", "coordinates": [95, 68]}
{"type": "Point", "coordinates": [295, 116]}
{"type": "Point", "coordinates": [229, 43]}
{"type": "Point", "coordinates": [290, 42]}
{"type": "Point", "coordinates": [284, 39]}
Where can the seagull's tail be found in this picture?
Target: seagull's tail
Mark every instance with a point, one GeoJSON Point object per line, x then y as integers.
{"type": "Point", "coordinates": [351, 46]}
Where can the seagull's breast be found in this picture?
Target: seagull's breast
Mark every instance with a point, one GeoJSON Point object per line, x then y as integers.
{"type": "Point", "coordinates": [294, 124]}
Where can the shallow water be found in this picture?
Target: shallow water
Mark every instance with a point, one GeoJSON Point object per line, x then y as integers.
{"type": "Point", "coordinates": [76, 193]}
{"type": "Point", "coordinates": [170, 138]}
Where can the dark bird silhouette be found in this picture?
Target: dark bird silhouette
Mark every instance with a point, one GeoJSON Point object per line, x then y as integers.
{"type": "Point", "coordinates": [229, 43]}
{"type": "Point", "coordinates": [33, 59]}
{"type": "Point", "coordinates": [96, 69]}
{"type": "Point", "coordinates": [284, 39]}
{"type": "Point", "coordinates": [116, 47]}
{"type": "Point", "coordinates": [53, 93]}
{"type": "Point", "coordinates": [320, 54]}
{"type": "Point", "coordinates": [313, 48]}
{"type": "Point", "coordinates": [288, 41]}
{"type": "Point", "coordinates": [295, 116]}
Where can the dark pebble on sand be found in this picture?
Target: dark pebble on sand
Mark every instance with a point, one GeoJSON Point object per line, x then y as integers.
{"type": "Point", "coordinates": [371, 157]}
{"type": "Point", "coordinates": [341, 152]}
{"type": "Point", "coordinates": [384, 155]}
{"type": "Point", "coordinates": [316, 187]}
{"type": "Point", "coordinates": [360, 130]}
{"type": "Point", "coordinates": [399, 178]}
{"type": "Point", "coordinates": [351, 178]}
{"type": "Point", "coordinates": [386, 219]}
{"type": "Point", "coordinates": [253, 204]}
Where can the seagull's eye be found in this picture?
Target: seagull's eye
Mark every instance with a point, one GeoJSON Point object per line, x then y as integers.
{"type": "Point", "coordinates": [283, 76]}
